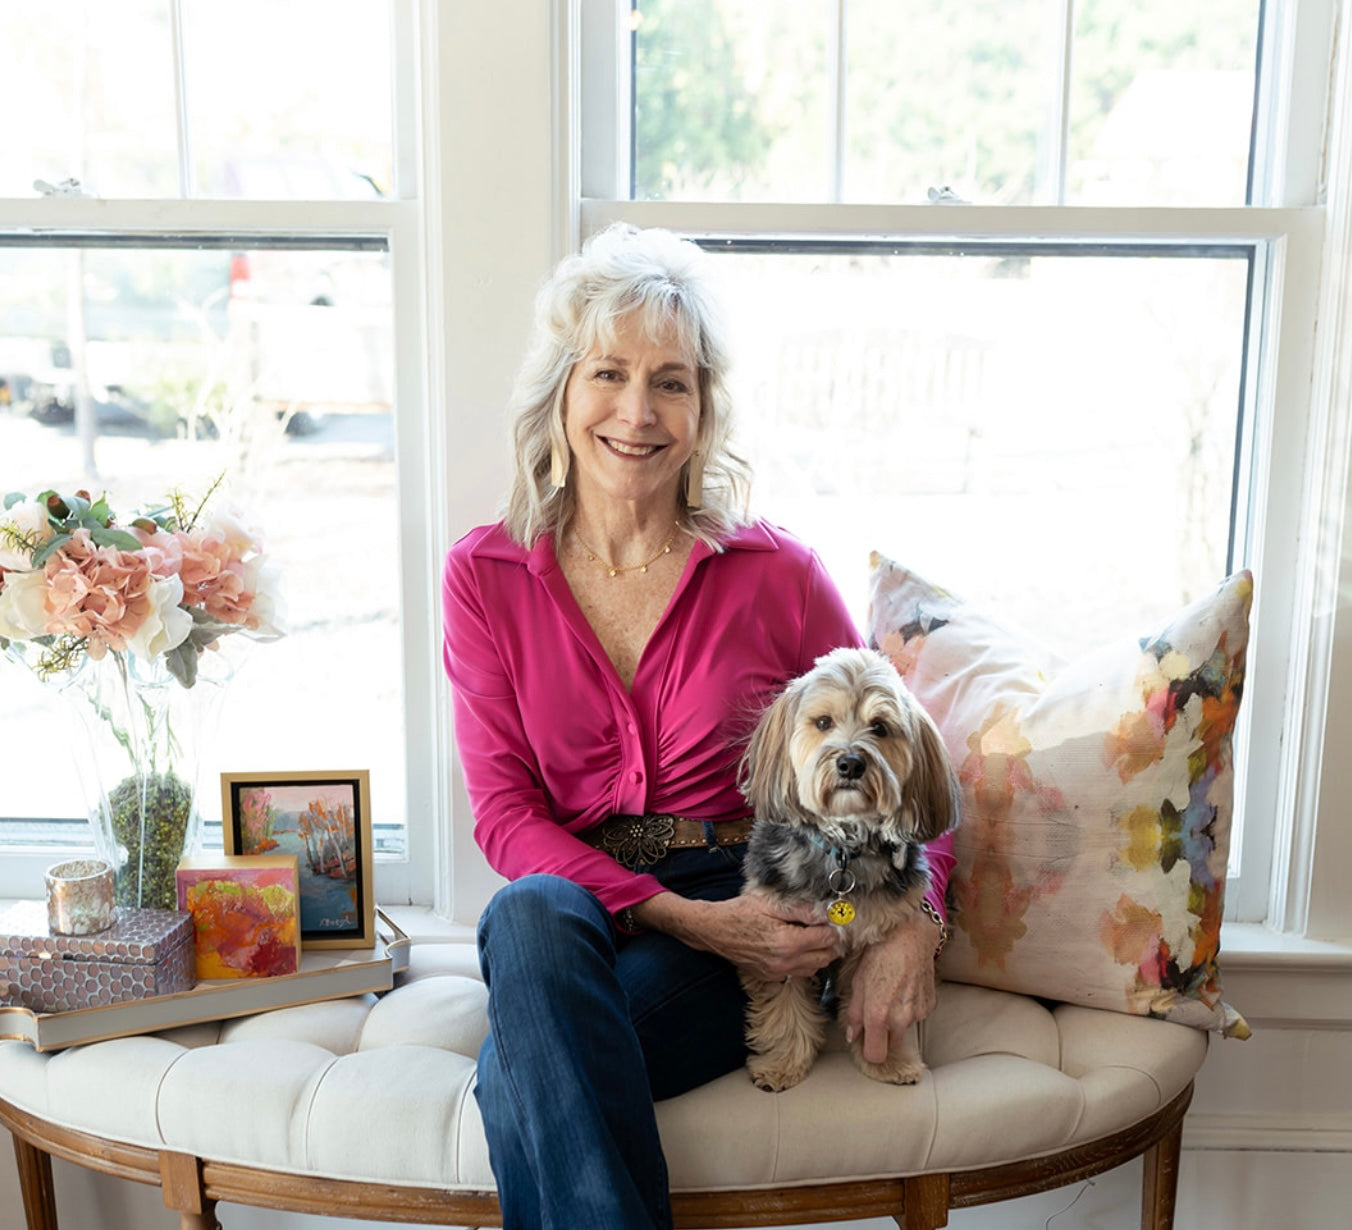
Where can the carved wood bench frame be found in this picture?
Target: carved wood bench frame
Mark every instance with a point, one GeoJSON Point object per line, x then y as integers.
{"type": "Point", "coordinates": [193, 1186]}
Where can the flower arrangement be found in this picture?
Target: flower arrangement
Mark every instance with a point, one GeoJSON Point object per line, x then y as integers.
{"type": "Point", "coordinates": [165, 583]}
{"type": "Point", "coordinates": [119, 612]}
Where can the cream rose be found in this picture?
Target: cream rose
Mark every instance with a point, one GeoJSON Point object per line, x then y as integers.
{"type": "Point", "coordinates": [23, 610]}
{"type": "Point", "coordinates": [267, 612]}
{"type": "Point", "coordinates": [27, 519]}
{"type": "Point", "coordinates": [166, 626]}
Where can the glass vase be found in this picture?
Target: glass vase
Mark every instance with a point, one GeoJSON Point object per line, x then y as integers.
{"type": "Point", "coordinates": [139, 766]}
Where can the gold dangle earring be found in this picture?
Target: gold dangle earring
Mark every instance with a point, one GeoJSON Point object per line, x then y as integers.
{"type": "Point", "coordinates": [558, 467]}
{"type": "Point", "coordinates": [694, 480]}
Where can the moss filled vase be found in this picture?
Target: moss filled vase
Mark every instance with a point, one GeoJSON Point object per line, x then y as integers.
{"type": "Point", "coordinates": [128, 617]}
{"type": "Point", "coordinates": [144, 732]}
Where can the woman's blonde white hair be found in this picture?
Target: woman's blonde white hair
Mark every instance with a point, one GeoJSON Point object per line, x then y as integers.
{"type": "Point", "coordinates": [622, 271]}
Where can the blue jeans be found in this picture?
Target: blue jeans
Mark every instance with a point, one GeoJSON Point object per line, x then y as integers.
{"type": "Point", "coordinates": [588, 1028]}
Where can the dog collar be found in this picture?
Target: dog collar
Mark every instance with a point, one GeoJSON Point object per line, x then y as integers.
{"type": "Point", "coordinates": [842, 854]}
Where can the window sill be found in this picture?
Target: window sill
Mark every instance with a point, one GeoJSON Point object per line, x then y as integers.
{"type": "Point", "coordinates": [1286, 982]}
{"type": "Point", "coordinates": [419, 922]}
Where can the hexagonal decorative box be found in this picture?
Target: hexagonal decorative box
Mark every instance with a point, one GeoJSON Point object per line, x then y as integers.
{"type": "Point", "coordinates": [144, 953]}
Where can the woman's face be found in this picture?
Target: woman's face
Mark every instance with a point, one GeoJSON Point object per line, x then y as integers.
{"type": "Point", "coordinates": [631, 414]}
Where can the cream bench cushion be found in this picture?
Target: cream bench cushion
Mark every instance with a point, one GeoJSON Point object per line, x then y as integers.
{"type": "Point", "coordinates": [380, 1090]}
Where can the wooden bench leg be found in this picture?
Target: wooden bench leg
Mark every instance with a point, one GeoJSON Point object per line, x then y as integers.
{"type": "Point", "coordinates": [35, 1184]}
{"type": "Point", "coordinates": [1159, 1182]}
{"type": "Point", "coordinates": [925, 1204]}
{"type": "Point", "coordinates": [181, 1180]}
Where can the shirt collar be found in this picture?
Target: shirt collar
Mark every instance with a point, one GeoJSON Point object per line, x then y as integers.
{"type": "Point", "coordinates": [540, 558]}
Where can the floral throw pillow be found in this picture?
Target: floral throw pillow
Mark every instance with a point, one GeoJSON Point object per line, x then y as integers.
{"type": "Point", "coordinates": [1097, 797]}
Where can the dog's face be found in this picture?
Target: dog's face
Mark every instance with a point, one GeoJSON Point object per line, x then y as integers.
{"type": "Point", "coordinates": [845, 746]}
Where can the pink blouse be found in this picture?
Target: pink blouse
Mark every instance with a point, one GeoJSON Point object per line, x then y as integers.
{"type": "Point", "coordinates": [552, 743]}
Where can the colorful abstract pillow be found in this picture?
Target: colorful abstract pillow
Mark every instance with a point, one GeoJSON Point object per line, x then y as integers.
{"type": "Point", "coordinates": [1097, 797]}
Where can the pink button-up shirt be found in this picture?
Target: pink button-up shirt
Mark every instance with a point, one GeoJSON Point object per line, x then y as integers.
{"type": "Point", "coordinates": [552, 743]}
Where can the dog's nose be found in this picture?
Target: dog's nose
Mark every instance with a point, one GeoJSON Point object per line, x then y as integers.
{"type": "Point", "coordinates": [850, 766]}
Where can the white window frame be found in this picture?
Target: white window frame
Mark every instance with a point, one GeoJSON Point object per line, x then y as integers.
{"type": "Point", "coordinates": [1302, 235]}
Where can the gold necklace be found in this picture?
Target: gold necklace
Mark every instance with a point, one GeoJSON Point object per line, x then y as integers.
{"type": "Point", "coordinates": [615, 569]}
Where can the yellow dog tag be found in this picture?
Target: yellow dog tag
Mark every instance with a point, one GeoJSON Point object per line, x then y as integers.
{"type": "Point", "coordinates": [841, 913]}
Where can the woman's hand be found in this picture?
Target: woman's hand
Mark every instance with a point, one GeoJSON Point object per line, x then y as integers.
{"type": "Point", "coordinates": [767, 941]}
{"type": "Point", "coordinates": [893, 987]}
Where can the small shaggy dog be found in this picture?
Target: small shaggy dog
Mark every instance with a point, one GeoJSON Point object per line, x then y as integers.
{"type": "Point", "coordinates": [848, 776]}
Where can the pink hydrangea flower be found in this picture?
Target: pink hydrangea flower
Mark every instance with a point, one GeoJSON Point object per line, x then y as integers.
{"type": "Point", "coordinates": [163, 551]}
{"type": "Point", "coordinates": [215, 571]}
{"type": "Point", "coordinates": [110, 598]}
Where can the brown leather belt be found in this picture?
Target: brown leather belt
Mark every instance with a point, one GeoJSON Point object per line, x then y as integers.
{"type": "Point", "coordinates": [639, 841]}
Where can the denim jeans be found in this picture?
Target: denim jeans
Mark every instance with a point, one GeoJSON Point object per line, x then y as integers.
{"type": "Point", "coordinates": [588, 1027]}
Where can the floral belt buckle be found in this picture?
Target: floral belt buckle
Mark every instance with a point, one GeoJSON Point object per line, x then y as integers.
{"type": "Point", "coordinates": [637, 841]}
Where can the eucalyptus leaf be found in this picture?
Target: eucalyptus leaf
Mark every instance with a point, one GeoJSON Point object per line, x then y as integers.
{"type": "Point", "coordinates": [54, 543]}
{"type": "Point", "coordinates": [181, 662]}
{"type": "Point", "coordinates": [13, 497]}
{"type": "Point", "coordinates": [205, 630]}
{"type": "Point", "coordinates": [163, 516]}
{"type": "Point", "coordinates": [108, 537]}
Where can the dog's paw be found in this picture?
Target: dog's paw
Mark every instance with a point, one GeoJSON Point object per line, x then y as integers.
{"type": "Point", "coordinates": [894, 1070]}
{"type": "Point", "coordinates": [771, 1073]}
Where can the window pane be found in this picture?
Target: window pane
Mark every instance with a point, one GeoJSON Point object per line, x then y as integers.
{"type": "Point", "coordinates": [1162, 102]}
{"type": "Point", "coordinates": [94, 85]}
{"type": "Point", "coordinates": [284, 99]}
{"type": "Point", "coordinates": [730, 100]}
{"type": "Point", "coordinates": [741, 100]}
{"type": "Point", "coordinates": [1049, 433]}
{"type": "Point", "coordinates": [314, 122]}
{"type": "Point", "coordinates": [950, 95]}
{"type": "Point", "coordinates": [272, 367]}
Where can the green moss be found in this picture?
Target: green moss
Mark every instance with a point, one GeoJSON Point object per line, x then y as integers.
{"type": "Point", "coordinates": [155, 846]}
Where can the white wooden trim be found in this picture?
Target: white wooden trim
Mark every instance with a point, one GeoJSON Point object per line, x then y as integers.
{"type": "Point", "coordinates": [1268, 1133]}
{"type": "Point", "coordinates": [1310, 831]}
{"type": "Point", "coordinates": [160, 216]}
{"type": "Point", "coordinates": [1030, 222]}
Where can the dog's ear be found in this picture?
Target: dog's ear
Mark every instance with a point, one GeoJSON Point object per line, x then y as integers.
{"type": "Point", "coordinates": [767, 777]}
{"type": "Point", "coordinates": [931, 795]}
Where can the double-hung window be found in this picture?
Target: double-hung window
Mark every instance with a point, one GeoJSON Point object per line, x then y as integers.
{"type": "Point", "coordinates": [1046, 299]}
{"type": "Point", "coordinates": [1024, 295]}
{"type": "Point", "coordinates": [210, 265]}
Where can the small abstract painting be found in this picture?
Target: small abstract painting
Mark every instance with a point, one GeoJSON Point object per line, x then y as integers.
{"type": "Point", "coordinates": [323, 819]}
{"type": "Point", "coordinates": [245, 913]}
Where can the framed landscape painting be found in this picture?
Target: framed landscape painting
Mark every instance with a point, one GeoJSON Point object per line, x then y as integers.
{"type": "Point", "coordinates": [324, 819]}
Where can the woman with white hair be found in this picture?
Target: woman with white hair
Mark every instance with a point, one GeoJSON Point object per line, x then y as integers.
{"type": "Point", "coordinates": [610, 643]}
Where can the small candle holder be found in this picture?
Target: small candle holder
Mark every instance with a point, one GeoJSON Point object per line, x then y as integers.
{"type": "Point", "coordinates": [80, 897]}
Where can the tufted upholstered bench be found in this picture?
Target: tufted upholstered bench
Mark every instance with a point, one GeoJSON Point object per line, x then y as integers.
{"type": "Point", "coordinates": [364, 1108]}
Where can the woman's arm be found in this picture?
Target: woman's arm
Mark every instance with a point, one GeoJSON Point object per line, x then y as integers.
{"type": "Point", "coordinates": [769, 942]}
{"type": "Point", "coordinates": [514, 823]}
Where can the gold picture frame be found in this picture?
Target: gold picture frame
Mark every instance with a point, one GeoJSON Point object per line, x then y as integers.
{"type": "Point", "coordinates": [324, 818]}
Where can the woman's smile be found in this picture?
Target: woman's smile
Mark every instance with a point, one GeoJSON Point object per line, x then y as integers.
{"type": "Point", "coordinates": [631, 450]}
